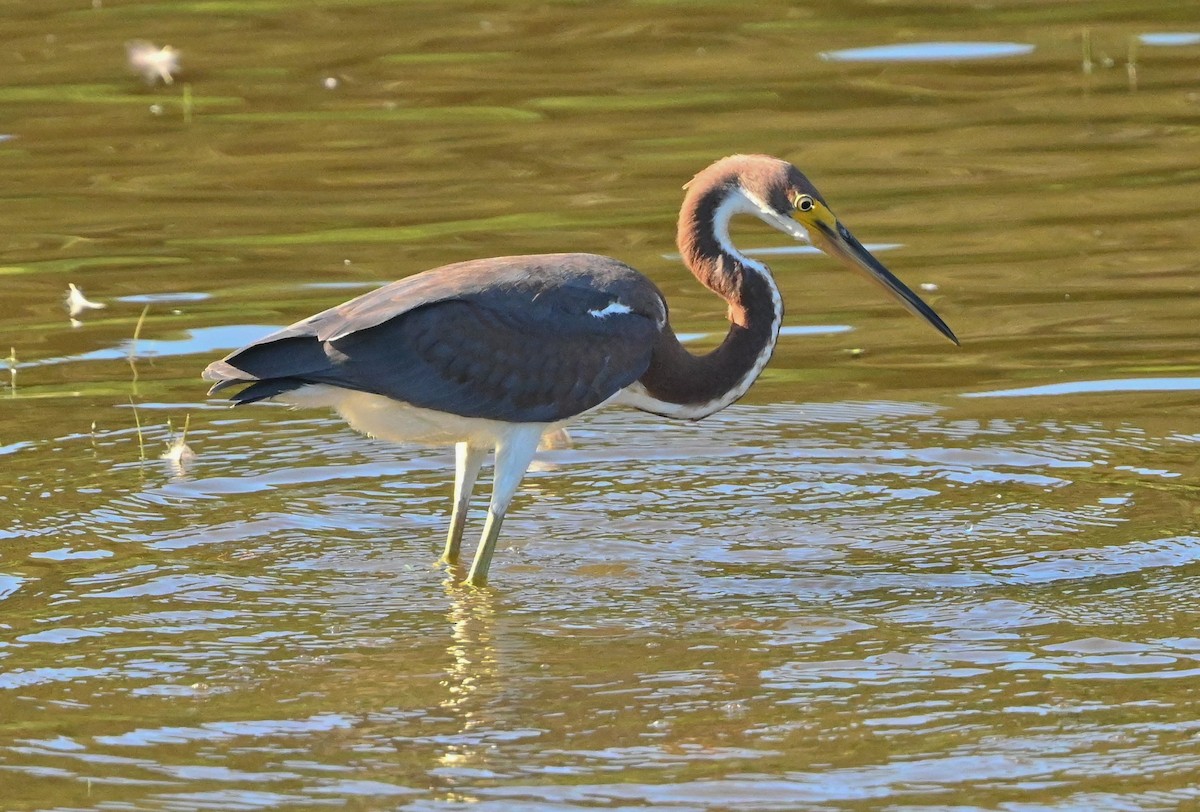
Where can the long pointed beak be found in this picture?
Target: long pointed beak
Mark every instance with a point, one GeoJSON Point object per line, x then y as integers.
{"type": "Point", "coordinates": [835, 239]}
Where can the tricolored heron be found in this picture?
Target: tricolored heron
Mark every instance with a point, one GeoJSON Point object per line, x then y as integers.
{"type": "Point", "coordinates": [494, 353]}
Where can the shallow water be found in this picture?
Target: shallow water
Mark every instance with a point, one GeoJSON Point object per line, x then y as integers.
{"type": "Point", "coordinates": [898, 575]}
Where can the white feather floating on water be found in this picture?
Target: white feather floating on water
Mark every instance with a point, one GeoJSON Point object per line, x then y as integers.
{"type": "Point", "coordinates": [151, 62]}
{"type": "Point", "coordinates": [77, 304]}
{"type": "Point", "coordinates": [178, 452]}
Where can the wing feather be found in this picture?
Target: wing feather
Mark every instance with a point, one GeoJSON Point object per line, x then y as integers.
{"type": "Point", "coordinates": [525, 344]}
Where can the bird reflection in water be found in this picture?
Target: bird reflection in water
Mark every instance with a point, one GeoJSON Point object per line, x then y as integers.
{"type": "Point", "coordinates": [473, 692]}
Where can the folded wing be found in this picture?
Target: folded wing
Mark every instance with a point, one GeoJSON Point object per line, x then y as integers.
{"type": "Point", "coordinates": [520, 339]}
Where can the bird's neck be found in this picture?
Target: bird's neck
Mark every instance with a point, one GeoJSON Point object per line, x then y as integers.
{"type": "Point", "coordinates": [690, 386]}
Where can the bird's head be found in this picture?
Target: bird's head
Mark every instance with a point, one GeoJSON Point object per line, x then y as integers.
{"type": "Point", "coordinates": [780, 195]}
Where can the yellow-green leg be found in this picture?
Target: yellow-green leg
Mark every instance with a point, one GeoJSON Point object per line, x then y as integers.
{"type": "Point", "coordinates": [514, 452]}
{"type": "Point", "coordinates": [487, 546]}
{"type": "Point", "coordinates": [467, 462]}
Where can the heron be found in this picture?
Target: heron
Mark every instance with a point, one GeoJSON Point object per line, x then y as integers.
{"type": "Point", "coordinates": [491, 354]}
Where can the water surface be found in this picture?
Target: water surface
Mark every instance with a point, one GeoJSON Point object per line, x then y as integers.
{"type": "Point", "coordinates": [897, 575]}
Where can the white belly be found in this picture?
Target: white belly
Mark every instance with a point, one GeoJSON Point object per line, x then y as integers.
{"type": "Point", "coordinates": [399, 422]}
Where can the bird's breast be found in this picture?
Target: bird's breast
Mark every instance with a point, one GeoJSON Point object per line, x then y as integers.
{"type": "Point", "coordinates": [399, 422]}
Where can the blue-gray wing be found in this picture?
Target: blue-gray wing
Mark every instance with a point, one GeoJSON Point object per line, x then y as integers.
{"type": "Point", "coordinates": [538, 339]}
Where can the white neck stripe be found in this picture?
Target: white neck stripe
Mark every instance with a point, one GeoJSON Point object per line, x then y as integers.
{"type": "Point", "coordinates": [740, 202]}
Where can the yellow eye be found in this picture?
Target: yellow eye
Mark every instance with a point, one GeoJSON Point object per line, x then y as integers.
{"type": "Point", "coordinates": [804, 203]}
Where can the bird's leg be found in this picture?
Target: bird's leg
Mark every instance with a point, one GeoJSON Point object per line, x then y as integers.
{"type": "Point", "coordinates": [513, 455]}
{"type": "Point", "coordinates": [467, 462]}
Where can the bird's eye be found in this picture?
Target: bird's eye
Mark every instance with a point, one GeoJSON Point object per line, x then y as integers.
{"type": "Point", "coordinates": [804, 203]}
